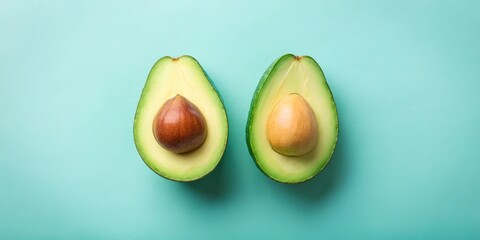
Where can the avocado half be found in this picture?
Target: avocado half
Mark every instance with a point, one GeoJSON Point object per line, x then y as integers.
{"type": "Point", "coordinates": [292, 75]}
{"type": "Point", "coordinates": [180, 76]}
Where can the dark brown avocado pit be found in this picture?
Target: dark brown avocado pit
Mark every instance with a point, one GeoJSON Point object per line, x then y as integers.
{"type": "Point", "coordinates": [179, 126]}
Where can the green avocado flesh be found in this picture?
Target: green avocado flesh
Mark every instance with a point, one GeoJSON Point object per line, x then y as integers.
{"type": "Point", "coordinates": [184, 76]}
{"type": "Point", "coordinates": [290, 74]}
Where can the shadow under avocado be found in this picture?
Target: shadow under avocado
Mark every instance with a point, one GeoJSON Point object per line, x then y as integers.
{"type": "Point", "coordinates": [322, 184]}
{"type": "Point", "coordinates": [216, 184]}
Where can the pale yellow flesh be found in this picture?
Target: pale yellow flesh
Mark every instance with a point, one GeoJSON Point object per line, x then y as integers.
{"type": "Point", "coordinates": [302, 76]}
{"type": "Point", "coordinates": [168, 78]}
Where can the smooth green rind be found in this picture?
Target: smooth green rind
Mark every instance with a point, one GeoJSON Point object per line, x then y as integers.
{"type": "Point", "coordinates": [141, 103]}
{"type": "Point", "coordinates": [263, 81]}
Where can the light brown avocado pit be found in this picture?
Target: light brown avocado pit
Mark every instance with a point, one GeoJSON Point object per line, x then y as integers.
{"type": "Point", "coordinates": [292, 126]}
{"type": "Point", "coordinates": [179, 126]}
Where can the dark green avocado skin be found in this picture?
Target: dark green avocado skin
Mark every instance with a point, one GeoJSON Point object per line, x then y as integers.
{"type": "Point", "coordinates": [248, 127]}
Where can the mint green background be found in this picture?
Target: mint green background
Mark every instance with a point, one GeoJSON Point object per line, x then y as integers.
{"type": "Point", "coordinates": [405, 76]}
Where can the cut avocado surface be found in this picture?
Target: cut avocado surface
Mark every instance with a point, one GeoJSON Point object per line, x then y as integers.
{"type": "Point", "coordinates": [179, 89]}
{"type": "Point", "coordinates": [281, 105]}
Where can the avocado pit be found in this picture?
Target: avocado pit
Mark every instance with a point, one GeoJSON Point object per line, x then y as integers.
{"type": "Point", "coordinates": [179, 126]}
{"type": "Point", "coordinates": [292, 126]}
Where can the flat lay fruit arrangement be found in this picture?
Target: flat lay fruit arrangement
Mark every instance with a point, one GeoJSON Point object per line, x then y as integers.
{"type": "Point", "coordinates": [181, 126]}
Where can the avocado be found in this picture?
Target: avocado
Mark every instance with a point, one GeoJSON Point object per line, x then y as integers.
{"type": "Point", "coordinates": [180, 126]}
{"type": "Point", "coordinates": [292, 125]}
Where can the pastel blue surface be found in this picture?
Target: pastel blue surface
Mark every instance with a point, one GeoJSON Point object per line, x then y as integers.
{"type": "Point", "coordinates": [405, 76]}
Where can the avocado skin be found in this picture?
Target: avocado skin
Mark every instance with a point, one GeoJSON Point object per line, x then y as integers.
{"type": "Point", "coordinates": [140, 103]}
{"type": "Point", "coordinates": [261, 83]}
